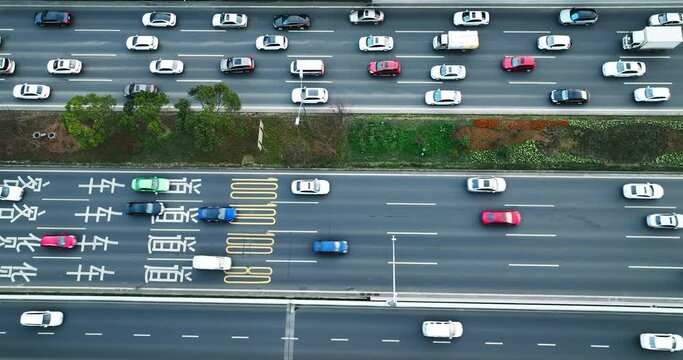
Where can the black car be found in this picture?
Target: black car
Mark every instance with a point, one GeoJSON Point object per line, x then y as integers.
{"type": "Point", "coordinates": [570, 96]}
{"type": "Point", "coordinates": [242, 64]}
{"type": "Point", "coordinates": [296, 21]}
{"type": "Point", "coordinates": [135, 88]}
{"type": "Point", "coordinates": [49, 17]}
{"type": "Point", "coordinates": [144, 208]}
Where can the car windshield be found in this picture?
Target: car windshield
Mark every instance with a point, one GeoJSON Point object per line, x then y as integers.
{"type": "Point", "coordinates": [154, 183]}
{"type": "Point", "coordinates": [161, 17]}
{"type": "Point", "coordinates": [622, 67]}
{"type": "Point", "coordinates": [381, 65]}
{"type": "Point", "coordinates": [649, 93]}
{"type": "Point", "coordinates": [516, 61]}
{"type": "Point", "coordinates": [370, 41]}
{"type": "Point", "coordinates": [437, 95]}
{"type": "Point", "coordinates": [491, 217]}
{"type": "Point", "coordinates": [467, 16]}
{"type": "Point", "coordinates": [292, 20]}
{"type": "Point", "coordinates": [551, 41]}
{"type": "Point", "coordinates": [4, 191]}
{"type": "Point", "coordinates": [149, 207]}
{"type": "Point", "coordinates": [221, 213]}
{"type": "Point", "coordinates": [445, 70]}
{"type": "Point", "coordinates": [367, 13]}
{"type": "Point", "coordinates": [38, 89]}
{"type": "Point", "coordinates": [269, 40]}
{"type": "Point", "coordinates": [61, 241]}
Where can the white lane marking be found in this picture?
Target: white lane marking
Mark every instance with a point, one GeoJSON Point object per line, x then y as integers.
{"type": "Point", "coordinates": [289, 338]}
{"type": "Point", "coordinates": [58, 199]}
{"type": "Point", "coordinates": [420, 56]}
{"type": "Point", "coordinates": [413, 263]}
{"type": "Point", "coordinates": [167, 259]}
{"type": "Point", "coordinates": [292, 261]}
{"type": "Point", "coordinates": [190, 336]}
{"type": "Point", "coordinates": [239, 337]}
{"type": "Point", "coordinates": [655, 267]}
{"type": "Point", "coordinates": [440, 342]}
{"type": "Point", "coordinates": [142, 335]}
{"type": "Point", "coordinates": [58, 228]}
{"type": "Point", "coordinates": [339, 339]}
{"type": "Point", "coordinates": [201, 55]}
{"type": "Point", "coordinates": [493, 343]}
{"type": "Point", "coordinates": [2, 79]}
{"type": "Point", "coordinates": [46, 333]}
{"type": "Point", "coordinates": [6, 29]}
{"type": "Point", "coordinates": [174, 230]}
{"type": "Point", "coordinates": [532, 82]}
{"type": "Point", "coordinates": [199, 80]}
{"type": "Point", "coordinates": [530, 205]}
{"type": "Point", "coordinates": [526, 32]}
{"type": "Point", "coordinates": [623, 31]}
{"type": "Point", "coordinates": [418, 31]}
{"type": "Point", "coordinates": [545, 344]}
{"type": "Point", "coordinates": [411, 233]}
{"type": "Point", "coordinates": [648, 207]}
{"type": "Point", "coordinates": [98, 30]}
{"type": "Point", "coordinates": [390, 341]}
{"type": "Point", "coordinates": [600, 346]}
{"type": "Point", "coordinates": [58, 257]}
{"type": "Point", "coordinates": [203, 30]}
{"type": "Point", "coordinates": [533, 265]}
{"type": "Point", "coordinates": [419, 82]}
{"type": "Point", "coordinates": [2, 333]}
{"type": "Point", "coordinates": [5, 54]}
{"type": "Point", "coordinates": [652, 237]}
{"type": "Point", "coordinates": [93, 334]}
{"type": "Point", "coordinates": [646, 57]}
{"type": "Point", "coordinates": [532, 235]}
{"type": "Point", "coordinates": [412, 204]}
{"type": "Point", "coordinates": [91, 80]}
{"type": "Point", "coordinates": [309, 56]}
{"type": "Point", "coordinates": [310, 31]}
{"type": "Point", "coordinates": [295, 231]}
{"type": "Point", "coordinates": [84, 54]}
{"type": "Point", "coordinates": [294, 202]}
{"type": "Point", "coordinates": [310, 81]}
{"type": "Point", "coordinates": [648, 83]}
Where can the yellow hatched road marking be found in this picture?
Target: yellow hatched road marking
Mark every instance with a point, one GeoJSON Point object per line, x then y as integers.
{"type": "Point", "coordinates": [249, 275]}
{"type": "Point", "coordinates": [256, 244]}
{"type": "Point", "coordinates": [253, 195]}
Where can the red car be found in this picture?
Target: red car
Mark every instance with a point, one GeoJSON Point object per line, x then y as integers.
{"type": "Point", "coordinates": [519, 63]}
{"type": "Point", "coordinates": [384, 68]}
{"type": "Point", "coordinates": [61, 241]}
{"type": "Point", "coordinates": [507, 217]}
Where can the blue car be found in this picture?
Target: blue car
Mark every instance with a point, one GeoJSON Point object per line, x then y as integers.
{"type": "Point", "coordinates": [216, 214]}
{"type": "Point", "coordinates": [331, 246]}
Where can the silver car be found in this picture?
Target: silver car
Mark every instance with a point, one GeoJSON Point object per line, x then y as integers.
{"type": "Point", "coordinates": [142, 43]}
{"type": "Point", "coordinates": [488, 184]}
{"type": "Point", "coordinates": [64, 66]}
{"type": "Point", "coordinates": [448, 72]}
{"type": "Point", "coordinates": [366, 16]}
{"type": "Point", "coordinates": [166, 67]}
{"type": "Point", "coordinates": [554, 42]}
{"type": "Point", "coordinates": [229, 21]}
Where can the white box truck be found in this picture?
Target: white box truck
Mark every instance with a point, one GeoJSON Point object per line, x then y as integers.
{"type": "Point", "coordinates": [653, 38]}
{"type": "Point", "coordinates": [456, 40]}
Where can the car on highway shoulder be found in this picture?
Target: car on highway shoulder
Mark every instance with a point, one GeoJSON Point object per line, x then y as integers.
{"type": "Point", "coordinates": [578, 16]}
{"type": "Point", "coordinates": [518, 63]}
{"type": "Point", "coordinates": [291, 22]}
{"type": "Point", "coordinates": [665, 221]}
{"type": "Point", "coordinates": [238, 64]}
{"type": "Point", "coordinates": [448, 72]}
{"type": "Point", "coordinates": [443, 97]}
{"type": "Point", "coordinates": [661, 342]}
{"type": "Point", "coordinates": [216, 214]}
{"type": "Point", "coordinates": [309, 95]}
{"type": "Point", "coordinates": [271, 42]}
{"type": "Point", "coordinates": [64, 66]}
{"type": "Point", "coordinates": [159, 19]}
{"type": "Point", "coordinates": [27, 91]}
{"type": "Point", "coordinates": [229, 21]}
{"type": "Point", "coordinates": [145, 208]}
{"type": "Point", "coordinates": [376, 43]}
{"type": "Point", "coordinates": [384, 68]}
{"type": "Point", "coordinates": [150, 184]}
{"type": "Point", "coordinates": [310, 187]}
{"type": "Point", "coordinates": [60, 241]}
{"type": "Point", "coordinates": [11, 193]}
{"type": "Point", "coordinates": [666, 19]}
{"type": "Point", "coordinates": [486, 184]}
{"type": "Point", "coordinates": [52, 18]}
{"type": "Point", "coordinates": [205, 262]}
{"type": "Point", "coordinates": [442, 329]}
{"type": "Point", "coordinates": [44, 318]}
{"type": "Point", "coordinates": [330, 246]}
{"type": "Point", "coordinates": [471, 18]}
{"type": "Point", "coordinates": [505, 217]}
{"type": "Point", "coordinates": [643, 191]}
{"type": "Point", "coordinates": [554, 42]}
{"type": "Point", "coordinates": [7, 66]}
{"type": "Point", "coordinates": [366, 16]}
{"type": "Point", "coordinates": [166, 67]}
{"type": "Point", "coordinates": [652, 94]}
{"type": "Point", "coordinates": [142, 43]}
{"type": "Point", "coordinates": [135, 88]}
{"type": "Point", "coordinates": [623, 69]}
{"type": "Point", "coordinates": [570, 96]}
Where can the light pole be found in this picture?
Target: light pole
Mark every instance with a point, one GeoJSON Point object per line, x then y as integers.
{"type": "Point", "coordinates": [393, 270]}
{"type": "Point", "coordinates": [301, 88]}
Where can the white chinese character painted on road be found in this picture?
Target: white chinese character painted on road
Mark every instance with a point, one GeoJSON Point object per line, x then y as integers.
{"type": "Point", "coordinates": [167, 273]}
{"type": "Point", "coordinates": [96, 241]}
{"type": "Point", "coordinates": [182, 186]}
{"type": "Point", "coordinates": [174, 215]}
{"type": "Point", "coordinates": [172, 244]}
{"type": "Point", "coordinates": [101, 212]}
{"type": "Point", "coordinates": [16, 242]}
{"type": "Point", "coordinates": [11, 272]}
{"type": "Point", "coordinates": [13, 214]}
{"type": "Point", "coordinates": [103, 185]}
{"type": "Point", "coordinates": [93, 272]}
{"type": "Point", "coordinates": [36, 184]}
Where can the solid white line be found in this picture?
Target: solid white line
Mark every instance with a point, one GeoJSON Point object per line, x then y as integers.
{"type": "Point", "coordinates": [167, 259]}
{"type": "Point", "coordinates": [295, 202]}
{"type": "Point", "coordinates": [655, 267]}
{"type": "Point", "coordinates": [545, 344]}
{"type": "Point", "coordinates": [646, 57]}
{"type": "Point", "coordinates": [190, 336]}
{"type": "Point", "coordinates": [493, 343]}
{"type": "Point", "coordinates": [532, 235]}
{"type": "Point", "coordinates": [2, 79]}
{"type": "Point", "coordinates": [194, 230]}
{"type": "Point", "coordinates": [648, 83]}
{"type": "Point", "coordinates": [98, 30]}
{"type": "Point", "coordinates": [419, 31]}
{"type": "Point", "coordinates": [93, 80]}
{"type": "Point", "coordinates": [410, 233]}
{"type": "Point", "coordinates": [58, 257]}
{"type": "Point", "coordinates": [390, 340]}
{"type": "Point", "coordinates": [58, 228]}
{"type": "Point", "coordinates": [532, 82]}
{"type": "Point", "coordinates": [419, 82]}
{"type": "Point", "coordinates": [142, 335]}
{"type": "Point", "coordinates": [526, 32]}
{"type": "Point", "coordinates": [529, 205]}
{"type": "Point", "coordinates": [309, 56]}
{"type": "Point", "coordinates": [2, 333]}
{"type": "Point", "coordinates": [289, 338]}
{"type": "Point", "coordinates": [440, 342]}
{"type": "Point", "coordinates": [420, 56]}
{"type": "Point", "coordinates": [310, 31]}
{"type": "Point", "coordinates": [292, 261]}
{"type": "Point", "coordinates": [6, 29]}
{"type": "Point", "coordinates": [310, 81]}
{"type": "Point", "coordinates": [57, 199]}
{"type": "Point", "coordinates": [544, 56]}
{"type": "Point", "coordinates": [93, 54]}
{"type": "Point", "coordinates": [412, 263]}
{"type": "Point", "coordinates": [200, 80]}
{"type": "Point", "coordinates": [533, 265]}
{"type": "Point", "coordinates": [295, 231]}
{"type": "Point", "coordinates": [93, 334]}
{"type": "Point", "coordinates": [200, 55]}
{"type": "Point", "coordinates": [652, 237]}
{"type": "Point", "coordinates": [600, 346]}
{"type": "Point", "coordinates": [337, 339]}
{"type": "Point", "coordinates": [648, 207]}
{"type": "Point", "coordinates": [412, 204]}
{"type": "Point", "coordinates": [622, 31]}
{"type": "Point", "coordinates": [239, 337]}
{"type": "Point", "coordinates": [203, 30]}
{"type": "Point", "coordinates": [46, 333]}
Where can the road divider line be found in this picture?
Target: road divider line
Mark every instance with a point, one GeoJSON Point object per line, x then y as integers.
{"type": "Point", "coordinates": [310, 56]}
{"type": "Point", "coordinates": [532, 82]}
{"type": "Point", "coordinates": [530, 205]}
{"type": "Point", "coordinates": [390, 340]}
{"type": "Point", "coordinates": [412, 263]}
{"type": "Point", "coordinates": [237, 337]}
{"type": "Point", "coordinates": [45, 333]}
{"type": "Point", "coordinates": [58, 228]}
{"type": "Point", "coordinates": [289, 338]}
{"type": "Point", "coordinates": [295, 231]}
{"type": "Point", "coordinates": [142, 335]}
{"type": "Point", "coordinates": [339, 339]}
{"type": "Point", "coordinates": [531, 235]}
{"type": "Point", "coordinates": [648, 83]}
{"type": "Point", "coordinates": [655, 267]}
{"type": "Point", "coordinates": [92, 80]}
{"type": "Point", "coordinates": [411, 233]}
{"type": "Point", "coordinates": [646, 57]}
{"type": "Point", "coordinates": [411, 204]}
{"type": "Point", "coordinates": [623, 31]}
{"type": "Point", "coordinates": [2, 333]}
{"type": "Point", "coordinates": [534, 265]}
{"type": "Point", "coordinates": [201, 55]}
{"type": "Point", "coordinates": [295, 202]}
{"type": "Point", "coordinates": [174, 230]}
{"type": "Point", "coordinates": [309, 81]}
{"type": "Point", "coordinates": [310, 31]}
{"type": "Point", "coordinates": [440, 342]}
{"type": "Point", "coordinates": [190, 336]}
{"type": "Point", "coordinates": [526, 31]}
{"type": "Point", "coordinates": [93, 334]}
{"type": "Point", "coordinates": [6, 29]}
{"type": "Point", "coordinates": [292, 261]}
{"type": "Point", "coordinates": [420, 56]}
{"type": "Point", "coordinates": [97, 30]}
{"type": "Point", "coordinates": [419, 31]}
{"type": "Point", "coordinates": [419, 82]}
{"type": "Point", "coordinates": [167, 259]}
{"type": "Point", "coordinates": [199, 80]}
{"type": "Point", "coordinates": [652, 237]}
{"type": "Point", "coordinates": [545, 344]}
{"type": "Point", "coordinates": [492, 343]}
{"type": "Point", "coordinates": [600, 346]}
{"type": "Point", "coordinates": [203, 30]}
{"type": "Point", "coordinates": [97, 55]}
{"type": "Point", "coordinates": [58, 257]}
{"type": "Point", "coordinates": [58, 199]}
{"type": "Point", "coordinates": [647, 207]}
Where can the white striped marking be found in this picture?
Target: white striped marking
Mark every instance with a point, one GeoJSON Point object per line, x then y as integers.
{"type": "Point", "coordinates": [289, 338]}
{"type": "Point", "coordinates": [440, 342]}
{"type": "Point", "coordinates": [532, 235]}
{"type": "Point", "coordinates": [533, 265]}
{"type": "Point", "coordinates": [309, 56]}
{"type": "Point", "coordinates": [46, 333]}
{"type": "Point", "coordinates": [655, 267]}
{"type": "Point", "coordinates": [411, 204]}
{"type": "Point", "coordinates": [58, 228]}
{"type": "Point", "coordinates": [142, 335]}
{"type": "Point", "coordinates": [58, 257]}
{"type": "Point", "coordinates": [98, 30]}
{"type": "Point", "coordinates": [339, 339]}
{"type": "Point", "coordinates": [545, 344]}
{"type": "Point", "coordinates": [167, 259]}
{"type": "Point", "coordinates": [420, 56]}
{"type": "Point", "coordinates": [493, 343]}
{"type": "Point", "coordinates": [411, 263]}
{"type": "Point", "coordinates": [526, 32]}
{"type": "Point", "coordinates": [648, 207]}
{"type": "Point", "coordinates": [93, 334]}
{"type": "Point", "coordinates": [91, 80]}
{"type": "Point", "coordinates": [100, 55]}
{"type": "Point", "coordinates": [411, 233]}
{"type": "Point", "coordinates": [419, 82]}
{"type": "Point", "coordinates": [190, 336]}
{"type": "Point", "coordinates": [6, 29]}
{"type": "Point", "coordinates": [239, 337]}
{"type": "Point", "coordinates": [390, 340]}
{"type": "Point", "coordinates": [419, 31]}
{"type": "Point", "coordinates": [648, 83]}
{"type": "Point", "coordinates": [529, 205]}
{"type": "Point", "coordinates": [199, 80]}
{"type": "Point", "coordinates": [200, 55]}
{"type": "Point", "coordinates": [293, 261]}
{"type": "Point", "coordinates": [652, 237]}
{"type": "Point", "coordinates": [532, 82]}
{"type": "Point", "coordinates": [57, 199]}
{"type": "Point", "coordinates": [646, 57]}
{"type": "Point", "coordinates": [600, 346]}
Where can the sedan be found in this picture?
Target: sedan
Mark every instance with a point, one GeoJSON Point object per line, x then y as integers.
{"type": "Point", "coordinates": [645, 191]}
{"type": "Point", "coordinates": [570, 96]}
{"type": "Point", "coordinates": [376, 43]}
{"type": "Point", "coordinates": [443, 97]}
{"type": "Point", "coordinates": [216, 214]}
{"type": "Point", "coordinates": [60, 241]}
{"type": "Point", "coordinates": [64, 66]}
{"type": "Point", "coordinates": [130, 90]}
{"type": "Point", "coordinates": [150, 184]}
{"type": "Point", "coordinates": [229, 21]}
{"type": "Point", "coordinates": [507, 217]}
{"type": "Point", "coordinates": [554, 42]}
{"type": "Point", "coordinates": [578, 16]}
{"type": "Point", "coordinates": [665, 221]}
{"type": "Point", "coordinates": [384, 68]}
{"type": "Point", "coordinates": [448, 72]}
{"type": "Point", "coordinates": [661, 342]}
{"type": "Point", "coordinates": [666, 19]}
{"type": "Point", "coordinates": [292, 22]}
{"type": "Point", "coordinates": [518, 63]}
{"type": "Point", "coordinates": [310, 187]}
{"type": "Point", "coordinates": [309, 95]}
{"type": "Point", "coordinates": [471, 18]}
{"type": "Point", "coordinates": [142, 43]}
{"type": "Point", "coordinates": [366, 16]}
{"type": "Point", "coordinates": [166, 67]}
{"type": "Point", "coordinates": [652, 94]}
{"type": "Point", "coordinates": [623, 68]}
{"type": "Point", "coordinates": [242, 64]}
{"type": "Point", "coordinates": [31, 91]}
{"type": "Point", "coordinates": [271, 42]}
{"type": "Point", "coordinates": [331, 247]}
{"type": "Point", "coordinates": [490, 184]}
{"type": "Point", "coordinates": [42, 318]}
{"type": "Point", "coordinates": [7, 66]}
{"type": "Point", "coordinates": [11, 193]}
{"type": "Point", "coordinates": [53, 18]}
{"type": "Point", "coordinates": [159, 19]}
{"type": "Point", "coordinates": [145, 208]}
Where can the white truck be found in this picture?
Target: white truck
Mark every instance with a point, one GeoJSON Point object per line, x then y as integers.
{"type": "Point", "coordinates": [456, 40]}
{"type": "Point", "coordinates": [653, 38]}
{"type": "Point", "coordinates": [204, 262]}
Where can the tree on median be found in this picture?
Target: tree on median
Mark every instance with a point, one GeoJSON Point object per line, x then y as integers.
{"type": "Point", "coordinates": [142, 117]}
{"type": "Point", "coordinates": [90, 119]}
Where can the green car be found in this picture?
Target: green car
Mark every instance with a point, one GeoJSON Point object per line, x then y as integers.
{"type": "Point", "coordinates": [150, 184]}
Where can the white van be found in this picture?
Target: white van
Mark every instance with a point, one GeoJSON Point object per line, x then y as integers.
{"type": "Point", "coordinates": [442, 329]}
{"type": "Point", "coordinates": [307, 67]}
{"type": "Point", "coordinates": [202, 262]}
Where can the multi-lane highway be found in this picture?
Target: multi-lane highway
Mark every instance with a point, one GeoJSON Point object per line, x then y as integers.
{"type": "Point", "coordinates": [97, 37]}
{"type": "Point", "coordinates": [578, 236]}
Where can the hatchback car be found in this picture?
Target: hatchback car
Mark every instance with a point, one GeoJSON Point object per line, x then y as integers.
{"type": "Point", "coordinates": [150, 184]}
{"type": "Point", "coordinates": [384, 68]}
{"type": "Point", "coordinates": [310, 187]}
{"type": "Point", "coordinates": [518, 63]}
{"type": "Point", "coordinates": [376, 43]}
{"type": "Point", "coordinates": [570, 96]}
{"type": "Point", "coordinates": [652, 94]}
{"type": "Point", "coordinates": [31, 91]}
{"type": "Point", "coordinates": [142, 43]}
{"type": "Point", "coordinates": [130, 90]}
{"type": "Point", "coordinates": [666, 19]}
{"type": "Point", "coordinates": [665, 221]}
{"type": "Point", "coordinates": [442, 329]}
{"type": "Point", "coordinates": [241, 64]}
{"type": "Point", "coordinates": [159, 19]}
{"type": "Point", "coordinates": [623, 68]}
{"type": "Point", "coordinates": [52, 18]}
{"type": "Point", "coordinates": [60, 241]}
{"type": "Point", "coordinates": [471, 18]}
{"type": "Point", "coordinates": [554, 42]}
{"type": "Point", "coordinates": [330, 246]}
{"type": "Point", "coordinates": [64, 66]}
{"type": "Point", "coordinates": [42, 318]}
{"type": "Point", "coordinates": [11, 193]}
{"type": "Point", "coordinates": [205, 262]}
{"type": "Point", "coordinates": [448, 72]}
{"type": "Point", "coordinates": [507, 217]}
{"type": "Point", "coordinates": [291, 22]}
{"type": "Point", "coordinates": [229, 21]}
{"type": "Point", "coordinates": [443, 97]}
{"type": "Point", "coordinates": [271, 42]}
{"type": "Point", "coordinates": [489, 184]}
{"type": "Point", "coordinates": [578, 16]}
{"type": "Point", "coordinates": [145, 208]}
{"type": "Point", "coordinates": [366, 16]}
{"type": "Point", "coordinates": [166, 67]}
{"type": "Point", "coordinates": [661, 342]}
{"type": "Point", "coordinates": [645, 191]}
{"type": "Point", "coordinates": [7, 66]}
{"type": "Point", "coordinates": [309, 95]}
{"type": "Point", "coordinates": [216, 214]}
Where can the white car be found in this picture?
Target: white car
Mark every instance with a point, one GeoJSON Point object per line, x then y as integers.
{"type": "Point", "coordinates": [159, 19]}
{"type": "Point", "coordinates": [204, 262]}
{"type": "Point", "coordinates": [471, 18]}
{"type": "Point", "coordinates": [310, 187]}
{"type": "Point", "coordinates": [652, 94]}
{"type": "Point", "coordinates": [448, 72]}
{"type": "Point", "coordinates": [142, 43]}
{"type": "Point", "coordinates": [643, 191]}
{"type": "Point", "coordinates": [623, 68]}
{"type": "Point", "coordinates": [42, 318]}
{"type": "Point", "coordinates": [229, 21]}
{"type": "Point", "coordinates": [554, 42]}
{"type": "Point", "coordinates": [271, 42]}
{"type": "Point", "coordinates": [64, 66]}
{"type": "Point", "coordinates": [443, 97]}
{"type": "Point", "coordinates": [365, 16]}
{"type": "Point", "coordinates": [661, 342]}
{"type": "Point", "coordinates": [376, 43]}
{"type": "Point", "coordinates": [666, 19]}
{"type": "Point", "coordinates": [31, 91]}
{"type": "Point", "coordinates": [442, 329]}
{"type": "Point", "coordinates": [309, 95]}
{"type": "Point", "coordinates": [166, 67]}
{"type": "Point", "coordinates": [665, 221]}
{"type": "Point", "coordinates": [489, 184]}
{"type": "Point", "coordinates": [11, 193]}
